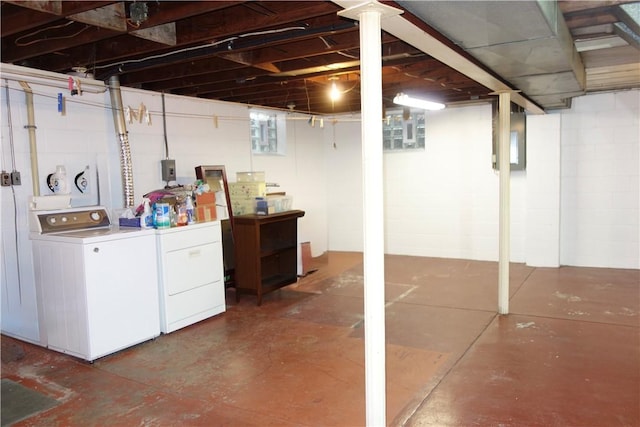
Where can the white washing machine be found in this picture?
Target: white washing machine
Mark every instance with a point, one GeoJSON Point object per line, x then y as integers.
{"type": "Point", "coordinates": [96, 283]}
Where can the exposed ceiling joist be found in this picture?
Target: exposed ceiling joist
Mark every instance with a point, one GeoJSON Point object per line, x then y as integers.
{"type": "Point", "coordinates": [270, 53]}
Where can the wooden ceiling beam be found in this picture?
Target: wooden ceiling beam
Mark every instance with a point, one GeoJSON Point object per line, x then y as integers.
{"type": "Point", "coordinates": [268, 88]}
{"type": "Point", "coordinates": [231, 78]}
{"type": "Point", "coordinates": [55, 40]}
{"type": "Point", "coordinates": [588, 6]}
{"type": "Point", "coordinates": [102, 47]}
{"type": "Point", "coordinates": [273, 54]}
{"type": "Point", "coordinates": [241, 20]}
{"type": "Point", "coordinates": [269, 54]}
{"type": "Point", "coordinates": [19, 16]}
{"type": "Point", "coordinates": [205, 66]}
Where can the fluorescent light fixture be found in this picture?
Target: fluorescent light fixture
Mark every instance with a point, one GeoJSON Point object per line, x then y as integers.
{"type": "Point", "coordinates": [599, 43]}
{"type": "Point", "coordinates": [402, 99]}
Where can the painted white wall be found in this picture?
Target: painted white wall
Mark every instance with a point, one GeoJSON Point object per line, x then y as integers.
{"type": "Point", "coordinates": [75, 139]}
{"type": "Point", "coordinates": [301, 174]}
{"type": "Point", "coordinates": [440, 202]}
{"type": "Point", "coordinates": [344, 184]}
{"type": "Point", "coordinates": [444, 200]}
{"type": "Point", "coordinates": [576, 204]}
{"type": "Point", "coordinates": [542, 191]}
{"type": "Point", "coordinates": [199, 132]}
{"type": "Point", "coordinates": [600, 181]}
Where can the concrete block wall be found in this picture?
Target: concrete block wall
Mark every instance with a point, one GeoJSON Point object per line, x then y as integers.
{"type": "Point", "coordinates": [577, 203]}
{"type": "Point", "coordinates": [197, 131]}
{"type": "Point", "coordinates": [600, 182]}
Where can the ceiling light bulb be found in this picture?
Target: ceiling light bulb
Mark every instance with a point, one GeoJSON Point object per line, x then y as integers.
{"type": "Point", "coordinates": [334, 93]}
{"type": "Point", "coordinates": [402, 99]}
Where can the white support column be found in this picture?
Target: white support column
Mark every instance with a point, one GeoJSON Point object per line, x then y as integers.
{"type": "Point", "coordinates": [369, 14]}
{"type": "Point", "coordinates": [504, 138]}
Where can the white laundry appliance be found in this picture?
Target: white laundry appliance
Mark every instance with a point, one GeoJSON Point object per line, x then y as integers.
{"type": "Point", "coordinates": [191, 278]}
{"type": "Point", "coordinates": [96, 283]}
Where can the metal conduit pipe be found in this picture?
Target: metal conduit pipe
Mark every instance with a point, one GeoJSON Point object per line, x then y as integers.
{"type": "Point", "coordinates": [123, 138]}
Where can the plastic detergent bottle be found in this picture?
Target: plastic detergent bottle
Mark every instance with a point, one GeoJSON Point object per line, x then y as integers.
{"type": "Point", "coordinates": [146, 220]}
{"type": "Point", "coordinates": [190, 213]}
{"type": "Point", "coordinates": [162, 215]}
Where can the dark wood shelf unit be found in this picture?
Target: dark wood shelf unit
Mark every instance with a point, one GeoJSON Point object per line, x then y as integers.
{"type": "Point", "coordinates": [266, 252]}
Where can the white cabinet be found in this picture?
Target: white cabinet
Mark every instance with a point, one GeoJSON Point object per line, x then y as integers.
{"type": "Point", "coordinates": [96, 295]}
{"type": "Point", "coordinates": [191, 276]}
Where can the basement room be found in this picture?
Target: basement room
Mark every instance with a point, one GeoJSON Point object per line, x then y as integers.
{"type": "Point", "coordinates": [320, 213]}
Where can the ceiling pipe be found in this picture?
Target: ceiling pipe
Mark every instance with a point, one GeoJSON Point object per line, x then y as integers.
{"type": "Point", "coordinates": [48, 78]}
{"type": "Point", "coordinates": [234, 44]}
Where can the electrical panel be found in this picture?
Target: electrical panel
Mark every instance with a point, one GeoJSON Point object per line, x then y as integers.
{"type": "Point", "coordinates": [168, 170]}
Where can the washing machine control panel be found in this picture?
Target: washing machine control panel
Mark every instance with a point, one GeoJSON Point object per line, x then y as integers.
{"type": "Point", "coordinates": [72, 219]}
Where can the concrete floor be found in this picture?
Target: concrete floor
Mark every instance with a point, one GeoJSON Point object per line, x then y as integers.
{"type": "Point", "coordinates": [568, 355]}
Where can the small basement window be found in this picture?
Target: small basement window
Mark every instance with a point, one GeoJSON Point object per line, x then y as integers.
{"type": "Point", "coordinates": [403, 130]}
{"type": "Point", "coordinates": [268, 132]}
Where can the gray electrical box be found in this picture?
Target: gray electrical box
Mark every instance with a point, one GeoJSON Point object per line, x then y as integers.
{"type": "Point", "coordinates": [168, 170]}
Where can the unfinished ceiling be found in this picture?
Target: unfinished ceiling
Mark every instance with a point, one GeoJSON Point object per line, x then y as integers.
{"type": "Point", "coordinates": [286, 54]}
{"type": "Point", "coordinates": [529, 43]}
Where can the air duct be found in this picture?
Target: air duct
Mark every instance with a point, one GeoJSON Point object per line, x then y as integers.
{"type": "Point", "coordinates": [527, 43]}
{"type": "Point", "coordinates": [119, 122]}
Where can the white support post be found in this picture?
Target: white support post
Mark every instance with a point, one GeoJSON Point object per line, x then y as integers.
{"type": "Point", "coordinates": [369, 14]}
{"type": "Point", "coordinates": [504, 138]}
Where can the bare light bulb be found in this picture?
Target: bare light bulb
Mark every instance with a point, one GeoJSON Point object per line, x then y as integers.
{"type": "Point", "coordinates": [334, 94]}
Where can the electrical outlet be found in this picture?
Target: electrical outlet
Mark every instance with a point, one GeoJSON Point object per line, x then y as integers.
{"type": "Point", "coordinates": [6, 179]}
{"type": "Point", "coordinates": [15, 178]}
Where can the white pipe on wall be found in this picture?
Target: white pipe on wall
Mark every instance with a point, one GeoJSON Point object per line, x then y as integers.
{"type": "Point", "coordinates": [48, 78]}
{"type": "Point", "coordinates": [33, 148]}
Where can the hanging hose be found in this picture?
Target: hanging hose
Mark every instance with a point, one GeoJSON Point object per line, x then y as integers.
{"type": "Point", "coordinates": [124, 148]}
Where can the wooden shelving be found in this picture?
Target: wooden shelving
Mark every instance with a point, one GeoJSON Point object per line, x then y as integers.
{"type": "Point", "coordinates": [265, 252]}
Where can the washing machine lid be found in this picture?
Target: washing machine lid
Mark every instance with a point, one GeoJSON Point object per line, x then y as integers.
{"type": "Point", "coordinates": [100, 232]}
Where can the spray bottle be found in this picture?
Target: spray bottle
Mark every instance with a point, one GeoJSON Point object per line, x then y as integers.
{"type": "Point", "coordinates": [146, 220]}
{"type": "Point", "coordinates": [190, 214]}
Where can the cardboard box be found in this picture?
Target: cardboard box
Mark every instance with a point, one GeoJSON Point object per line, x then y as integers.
{"type": "Point", "coordinates": [243, 205]}
{"type": "Point", "coordinates": [250, 176]}
{"type": "Point", "coordinates": [206, 199]}
{"type": "Point", "coordinates": [206, 213]}
{"type": "Point", "coordinates": [247, 189]}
